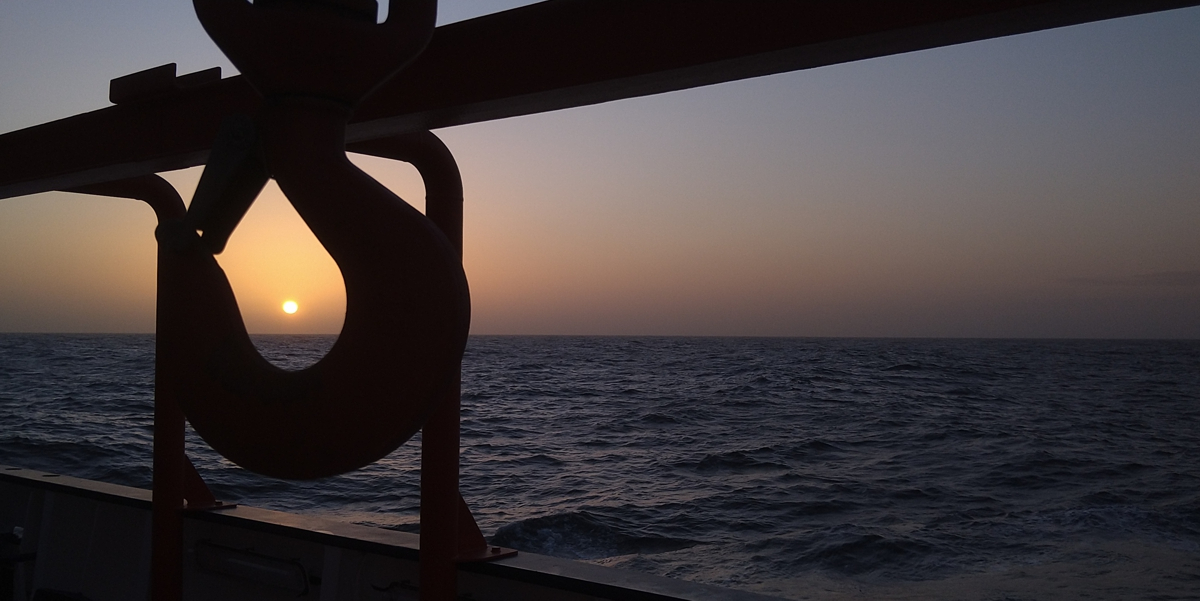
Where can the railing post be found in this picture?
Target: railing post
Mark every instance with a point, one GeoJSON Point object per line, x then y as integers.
{"type": "Point", "coordinates": [440, 436]}
{"type": "Point", "coordinates": [166, 540]}
{"type": "Point", "coordinates": [166, 563]}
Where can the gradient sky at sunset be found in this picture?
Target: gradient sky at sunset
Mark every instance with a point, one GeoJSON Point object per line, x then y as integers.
{"type": "Point", "coordinates": [1043, 185]}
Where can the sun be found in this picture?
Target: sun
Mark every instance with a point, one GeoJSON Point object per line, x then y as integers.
{"type": "Point", "coordinates": [290, 307]}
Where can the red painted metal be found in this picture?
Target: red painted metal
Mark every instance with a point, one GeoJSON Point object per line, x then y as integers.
{"type": "Point", "coordinates": [166, 544]}
{"type": "Point", "coordinates": [196, 494]}
{"type": "Point", "coordinates": [439, 501]}
{"type": "Point", "coordinates": [407, 304]}
{"type": "Point", "coordinates": [472, 547]}
{"type": "Point", "coordinates": [449, 534]}
{"type": "Point", "coordinates": [408, 310]}
{"type": "Point", "coordinates": [170, 462]}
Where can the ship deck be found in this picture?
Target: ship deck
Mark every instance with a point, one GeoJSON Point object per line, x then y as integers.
{"type": "Point", "coordinates": [92, 540]}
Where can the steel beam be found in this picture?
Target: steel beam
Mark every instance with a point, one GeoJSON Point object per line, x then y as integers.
{"type": "Point", "coordinates": [544, 57]}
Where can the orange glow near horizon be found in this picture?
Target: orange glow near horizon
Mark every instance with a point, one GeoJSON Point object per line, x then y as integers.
{"type": "Point", "coordinates": [273, 254]}
{"type": "Point", "coordinates": [1041, 185]}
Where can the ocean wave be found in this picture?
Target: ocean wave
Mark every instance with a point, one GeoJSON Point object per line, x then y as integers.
{"type": "Point", "coordinates": [581, 535]}
{"type": "Point", "coordinates": [904, 367]}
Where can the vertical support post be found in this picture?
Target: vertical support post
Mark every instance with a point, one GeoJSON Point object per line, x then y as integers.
{"type": "Point", "coordinates": [167, 500]}
{"type": "Point", "coordinates": [439, 500]}
{"type": "Point", "coordinates": [441, 506]}
{"type": "Point", "coordinates": [166, 521]}
{"type": "Point", "coordinates": [166, 563]}
{"type": "Point", "coordinates": [440, 436]}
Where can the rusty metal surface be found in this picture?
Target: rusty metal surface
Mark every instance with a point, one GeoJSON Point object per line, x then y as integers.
{"type": "Point", "coordinates": [543, 57]}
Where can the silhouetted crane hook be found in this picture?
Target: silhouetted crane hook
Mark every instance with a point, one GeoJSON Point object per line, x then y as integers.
{"type": "Point", "coordinates": [407, 303]}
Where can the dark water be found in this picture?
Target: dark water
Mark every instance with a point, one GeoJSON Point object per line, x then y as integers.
{"type": "Point", "coordinates": [760, 463]}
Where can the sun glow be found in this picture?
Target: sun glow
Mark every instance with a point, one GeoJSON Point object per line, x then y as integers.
{"type": "Point", "coordinates": [290, 307]}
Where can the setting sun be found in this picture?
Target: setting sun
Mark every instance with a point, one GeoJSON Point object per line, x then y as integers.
{"type": "Point", "coordinates": [290, 307]}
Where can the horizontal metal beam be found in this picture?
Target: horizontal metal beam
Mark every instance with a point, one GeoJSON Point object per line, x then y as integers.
{"type": "Point", "coordinates": [544, 57]}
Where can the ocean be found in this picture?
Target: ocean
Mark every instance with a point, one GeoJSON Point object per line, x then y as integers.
{"type": "Point", "coordinates": [803, 468]}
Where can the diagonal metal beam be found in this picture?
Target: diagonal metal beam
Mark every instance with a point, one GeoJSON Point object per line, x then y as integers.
{"type": "Point", "coordinates": [544, 57]}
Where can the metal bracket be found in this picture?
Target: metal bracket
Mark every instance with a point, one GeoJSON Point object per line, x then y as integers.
{"type": "Point", "coordinates": [232, 179]}
{"type": "Point", "coordinates": [489, 553]}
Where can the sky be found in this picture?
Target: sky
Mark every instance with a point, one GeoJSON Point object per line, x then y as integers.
{"type": "Point", "coordinates": [1044, 185]}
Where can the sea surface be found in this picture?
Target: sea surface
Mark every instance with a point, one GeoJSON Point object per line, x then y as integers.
{"type": "Point", "coordinates": [803, 468]}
